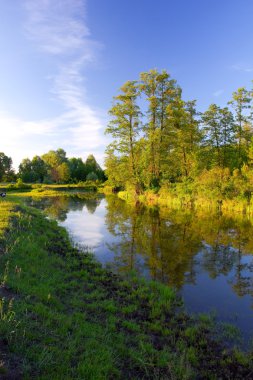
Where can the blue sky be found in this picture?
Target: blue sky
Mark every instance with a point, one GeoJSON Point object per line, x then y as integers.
{"type": "Point", "coordinates": [62, 61]}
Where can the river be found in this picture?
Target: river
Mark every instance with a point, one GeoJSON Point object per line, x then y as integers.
{"type": "Point", "coordinates": [206, 256]}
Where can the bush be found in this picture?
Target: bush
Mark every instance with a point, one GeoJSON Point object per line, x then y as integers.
{"type": "Point", "coordinates": [20, 185]}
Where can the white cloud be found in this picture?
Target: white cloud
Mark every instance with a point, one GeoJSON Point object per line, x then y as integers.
{"type": "Point", "coordinates": [58, 29]}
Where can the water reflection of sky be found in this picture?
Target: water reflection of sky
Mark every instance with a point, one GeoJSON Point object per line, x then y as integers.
{"type": "Point", "coordinates": [89, 230]}
{"type": "Point", "coordinates": [85, 227]}
{"type": "Point", "coordinates": [214, 295]}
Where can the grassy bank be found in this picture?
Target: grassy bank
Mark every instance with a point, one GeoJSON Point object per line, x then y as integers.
{"type": "Point", "coordinates": [44, 190]}
{"type": "Point", "coordinates": [62, 316]}
{"type": "Point", "coordinates": [167, 199]}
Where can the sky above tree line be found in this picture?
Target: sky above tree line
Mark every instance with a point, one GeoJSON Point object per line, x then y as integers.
{"type": "Point", "coordinates": [62, 61]}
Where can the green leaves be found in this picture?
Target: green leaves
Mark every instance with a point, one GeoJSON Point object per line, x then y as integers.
{"type": "Point", "coordinates": [157, 136]}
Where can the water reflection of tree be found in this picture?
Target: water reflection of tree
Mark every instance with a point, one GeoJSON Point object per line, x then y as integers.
{"type": "Point", "coordinates": [168, 250]}
{"type": "Point", "coordinates": [176, 244]}
{"type": "Point", "coordinates": [123, 222]}
{"type": "Point", "coordinates": [92, 204]}
{"type": "Point", "coordinates": [55, 207]}
{"type": "Point", "coordinates": [58, 207]}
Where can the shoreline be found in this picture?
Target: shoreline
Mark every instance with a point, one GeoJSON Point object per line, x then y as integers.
{"type": "Point", "coordinates": [167, 200]}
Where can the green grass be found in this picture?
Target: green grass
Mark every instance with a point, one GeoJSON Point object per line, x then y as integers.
{"type": "Point", "coordinates": [62, 316]}
{"type": "Point", "coordinates": [46, 190]}
{"type": "Point", "coordinates": [6, 208]}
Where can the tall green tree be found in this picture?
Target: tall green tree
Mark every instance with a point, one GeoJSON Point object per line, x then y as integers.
{"type": "Point", "coordinates": [159, 90]}
{"type": "Point", "coordinates": [219, 136]}
{"type": "Point", "coordinates": [240, 103]}
{"type": "Point", "coordinates": [183, 138]}
{"type": "Point", "coordinates": [124, 125]}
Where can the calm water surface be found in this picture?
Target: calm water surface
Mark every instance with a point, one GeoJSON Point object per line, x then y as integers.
{"type": "Point", "coordinates": [207, 257]}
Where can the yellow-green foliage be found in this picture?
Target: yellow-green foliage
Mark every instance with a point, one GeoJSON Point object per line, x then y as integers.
{"type": "Point", "coordinates": [213, 189]}
{"type": "Point", "coordinates": [126, 196]}
{"type": "Point", "coordinates": [107, 189]}
{"type": "Point", "coordinates": [5, 213]}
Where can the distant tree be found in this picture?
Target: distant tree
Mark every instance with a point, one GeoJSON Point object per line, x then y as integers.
{"type": "Point", "coordinates": [63, 171]}
{"type": "Point", "coordinates": [92, 176]}
{"type": "Point", "coordinates": [77, 169]}
{"type": "Point", "coordinates": [9, 176]}
{"type": "Point", "coordinates": [61, 154]}
{"type": "Point", "coordinates": [25, 172]}
{"type": "Point", "coordinates": [32, 170]}
{"type": "Point", "coordinates": [91, 165]}
{"type": "Point", "coordinates": [53, 159]}
{"type": "Point", "coordinates": [39, 168]}
{"type": "Point", "coordinates": [6, 170]}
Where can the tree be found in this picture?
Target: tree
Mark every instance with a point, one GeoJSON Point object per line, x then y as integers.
{"type": "Point", "coordinates": [115, 168]}
{"type": "Point", "coordinates": [124, 125]}
{"type": "Point", "coordinates": [53, 159]}
{"type": "Point", "coordinates": [32, 170]}
{"type": "Point", "coordinates": [240, 103]}
{"type": "Point", "coordinates": [63, 171]}
{"type": "Point", "coordinates": [183, 137]}
{"type": "Point", "coordinates": [39, 169]}
{"type": "Point", "coordinates": [219, 133]}
{"type": "Point", "coordinates": [227, 125]}
{"type": "Point", "coordinates": [92, 176]}
{"type": "Point", "coordinates": [77, 169]}
{"type": "Point", "coordinates": [5, 167]}
{"type": "Point", "coordinates": [25, 170]}
{"type": "Point", "coordinates": [91, 165]}
{"type": "Point", "coordinates": [160, 90]}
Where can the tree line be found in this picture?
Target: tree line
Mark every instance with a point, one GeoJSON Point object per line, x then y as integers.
{"type": "Point", "coordinates": [159, 138]}
{"type": "Point", "coordinates": [51, 167]}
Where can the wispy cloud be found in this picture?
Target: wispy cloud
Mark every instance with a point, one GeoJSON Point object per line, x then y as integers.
{"type": "Point", "coordinates": [58, 29]}
{"type": "Point", "coordinates": [58, 26]}
{"type": "Point", "coordinates": [218, 93]}
{"type": "Point", "coordinates": [242, 67]}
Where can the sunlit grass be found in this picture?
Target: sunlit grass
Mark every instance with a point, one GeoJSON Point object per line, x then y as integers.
{"type": "Point", "coordinates": [6, 209]}
{"type": "Point", "coordinates": [43, 190]}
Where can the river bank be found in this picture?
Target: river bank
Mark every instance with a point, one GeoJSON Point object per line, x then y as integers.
{"type": "Point", "coordinates": [46, 190]}
{"type": "Point", "coordinates": [64, 316]}
{"type": "Point", "coordinates": [166, 199]}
